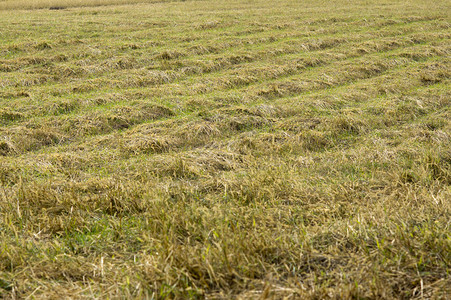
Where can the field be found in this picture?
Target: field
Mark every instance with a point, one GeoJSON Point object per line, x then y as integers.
{"type": "Point", "coordinates": [225, 149]}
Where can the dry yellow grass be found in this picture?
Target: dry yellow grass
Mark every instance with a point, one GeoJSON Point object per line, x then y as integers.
{"type": "Point", "coordinates": [225, 149]}
{"type": "Point", "coordinates": [61, 4]}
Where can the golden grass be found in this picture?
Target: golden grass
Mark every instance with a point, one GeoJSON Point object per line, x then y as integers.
{"type": "Point", "coordinates": [59, 4]}
{"type": "Point", "coordinates": [225, 149]}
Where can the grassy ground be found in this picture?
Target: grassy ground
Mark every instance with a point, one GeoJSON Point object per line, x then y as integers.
{"type": "Point", "coordinates": [218, 149]}
{"type": "Point", "coordinates": [63, 4]}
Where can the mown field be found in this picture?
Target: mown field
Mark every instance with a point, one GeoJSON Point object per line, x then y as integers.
{"type": "Point", "coordinates": [63, 4]}
{"type": "Point", "coordinates": [225, 149]}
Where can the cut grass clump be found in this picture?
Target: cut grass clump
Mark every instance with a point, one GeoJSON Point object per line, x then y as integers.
{"type": "Point", "coordinates": [167, 55]}
{"type": "Point", "coordinates": [22, 139]}
{"type": "Point", "coordinates": [7, 148]}
{"type": "Point", "coordinates": [8, 116]}
{"type": "Point", "coordinates": [145, 144]}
